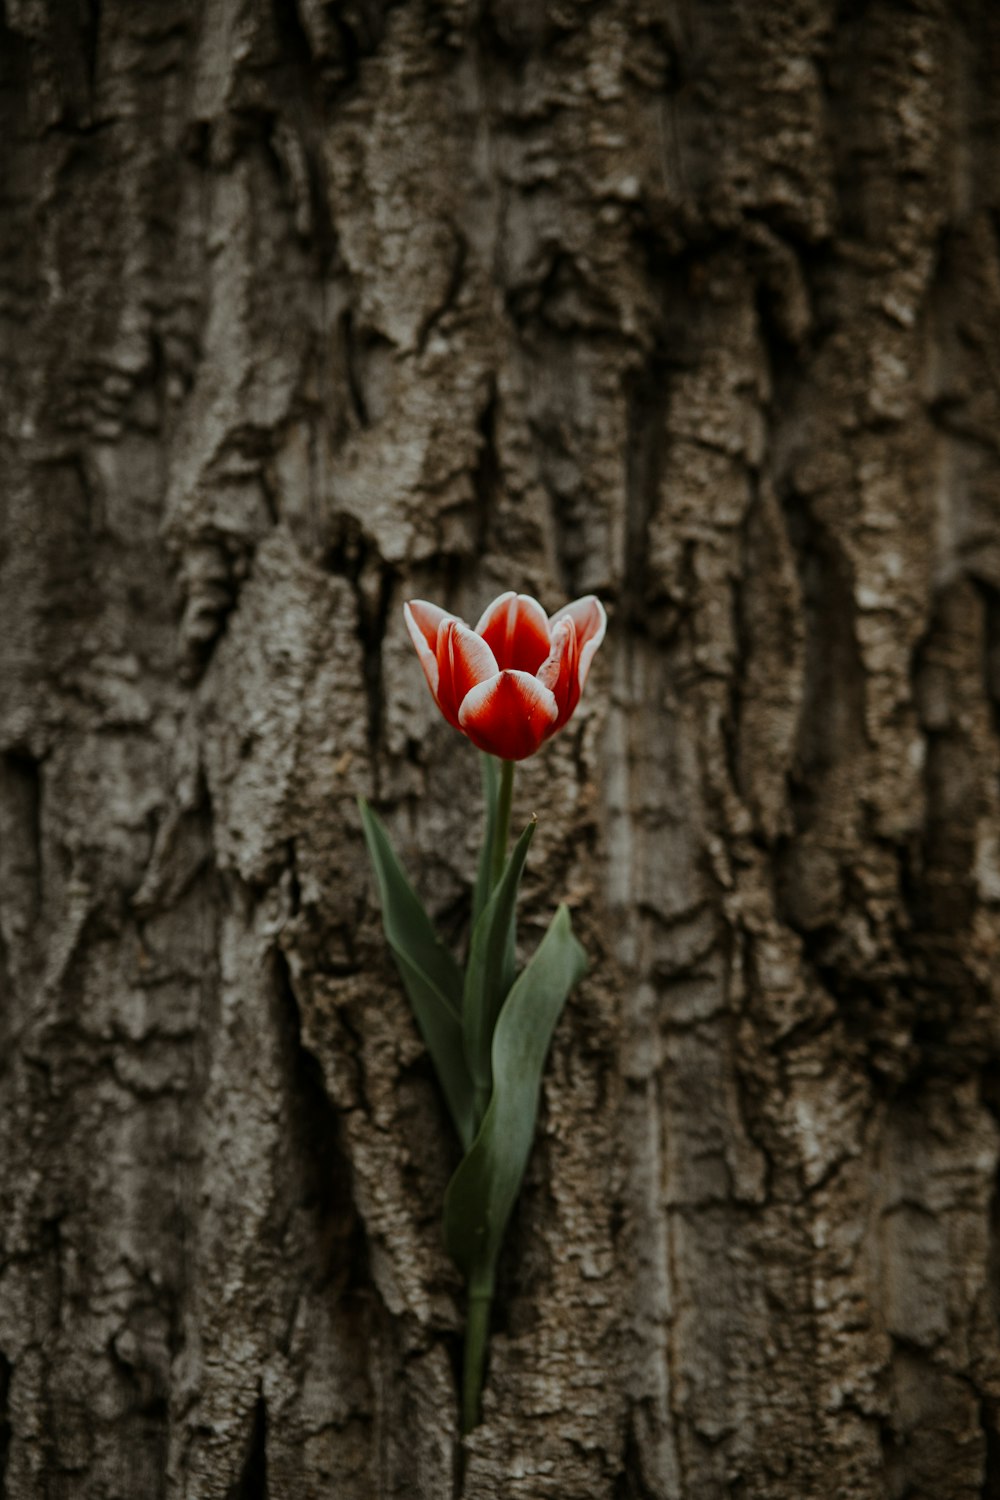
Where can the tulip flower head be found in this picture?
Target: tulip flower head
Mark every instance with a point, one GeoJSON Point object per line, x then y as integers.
{"type": "Point", "coordinates": [514, 680]}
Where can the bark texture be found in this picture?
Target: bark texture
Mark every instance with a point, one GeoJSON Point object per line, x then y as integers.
{"type": "Point", "coordinates": [310, 308]}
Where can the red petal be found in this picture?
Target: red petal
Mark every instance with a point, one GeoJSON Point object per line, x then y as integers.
{"type": "Point", "coordinates": [509, 715]}
{"type": "Point", "coordinates": [560, 672]}
{"type": "Point", "coordinates": [516, 628]}
{"type": "Point", "coordinates": [591, 622]}
{"type": "Point", "coordinates": [463, 660]}
{"type": "Point", "coordinates": [423, 621]}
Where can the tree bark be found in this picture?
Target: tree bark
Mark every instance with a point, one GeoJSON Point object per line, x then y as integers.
{"type": "Point", "coordinates": [308, 309]}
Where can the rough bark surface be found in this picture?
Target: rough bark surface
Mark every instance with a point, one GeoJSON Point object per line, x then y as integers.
{"type": "Point", "coordinates": [309, 308]}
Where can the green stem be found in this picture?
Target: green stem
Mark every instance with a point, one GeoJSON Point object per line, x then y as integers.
{"type": "Point", "coordinates": [477, 1337]}
{"type": "Point", "coordinates": [502, 835]}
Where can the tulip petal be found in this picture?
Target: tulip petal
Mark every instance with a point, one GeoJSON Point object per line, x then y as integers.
{"type": "Point", "coordinates": [591, 622]}
{"type": "Point", "coordinates": [509, 715]}
{"type": "Point", "coordinates": [423, 621]}
{"type": "Point", "coordinates": [516, 628]}
{"type": "Point", "coordinates": [464, 661]}
{"type": "Point", "coordinates": [560, 671]}
{"type": "Point", "coordinates": [499, 606]}
{"type": "Point", "coordinates": [426, 618]}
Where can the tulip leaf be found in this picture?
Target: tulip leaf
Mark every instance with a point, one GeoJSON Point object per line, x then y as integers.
{"type": "Point", "coordinates": [491, 969]}
{"type": "Point", "coordinates": [484, 871]}
{"type": "Point", "coordinates": [431, 977]}
{"type": "Point", "coordinates": [484, 1188]}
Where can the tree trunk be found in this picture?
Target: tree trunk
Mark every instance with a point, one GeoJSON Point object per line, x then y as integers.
{"type": "Point", "coordinates": [308, 309]}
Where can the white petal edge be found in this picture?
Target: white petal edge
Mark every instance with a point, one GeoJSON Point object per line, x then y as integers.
{"type": "Point", "coordinates": [548, 672]}
{"type": "Point", "coordinates": [589, 650]}
{"type": "Point", "coordinates": [437, 615]}
{"type": "Point", "coordinates": [427, 658]}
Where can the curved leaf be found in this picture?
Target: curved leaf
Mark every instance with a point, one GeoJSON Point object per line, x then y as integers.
{"type": "Point", "coordinates": [491, 967]}
{"type": "Point", "coordinates": [484, 1189]}
{"type": "Point", "coordinates": [432, 979]}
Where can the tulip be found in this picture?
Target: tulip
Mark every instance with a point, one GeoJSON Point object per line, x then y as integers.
{"type": "Point", "coordinates": [507, 685]}
{"type": "Point", "coordinates": [514, 680]}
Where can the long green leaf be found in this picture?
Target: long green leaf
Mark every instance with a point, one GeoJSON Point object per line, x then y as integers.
{"type": "Point", "coordinates": [407, 925]}
{"type": "Point", "coordinates": [483, 1190]}
{"type": "Point", "coordinates": [484, 877]}
{"type": "Point", "coordinates": [491, 967]}
{"type": "Point", "coordinates": [432, 979]}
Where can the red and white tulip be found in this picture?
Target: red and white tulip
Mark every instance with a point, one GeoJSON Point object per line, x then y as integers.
{"type": "Point", "coordinates": [514, 680]}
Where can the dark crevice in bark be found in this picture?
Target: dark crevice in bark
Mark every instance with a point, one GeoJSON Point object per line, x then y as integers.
{"type": "Point", "coordinates": [843, 69]}
{"type": "Point", "coordinates": [50, 1248]}
{"type": "Point", "coordinates": [786, 325]}
{"type": "Point", "coordinates": [990, 596]}
{"type": "Point", "coordinates": [90, 37]}
{"type": "Point", "coordinates": [355, 557]}
{"type": "Point", "coordinates": [180, 855]}
{"type": "Point", "coordinates": [344, 72]}
{"type": "Point", "coordinates": [294, 884]}
{"type": "Point", "coordinates": [742, 607]}
{"type": "Point", "coordinates": [459, 1460]}
{"type": "Point", "coordinates": [21, 811]}
{"type": "Point", "coordinates": [949, 412]}
{"type": "Point", "coordinates": [15, 63]}
{"type": "Point", "coordinates": [950, 1004]}
{"type": "Point", "coordinates": [486, 477]}
{"type": "Point", "coordinates": [252, 1482]}
{"type": "Point", "coordinates": [890, 1442]}
{"type": "Point", "coordinates": [316, 1126]}
{"type": "Point", "coordinates": [292, 34]}
{"type": "Point", "coordinates": [831, 730]}
{"type": "Point", "coordinates": [989, 1418]}
{"type": "Point", "coordinates": [355, 385]}
{"type": "Point", "coordinates": [297, 88]}
{"type": "Point", "coordinates": [350, 33]}
{"type": "Point", "coordinates": [212, 570]}
{"type": "Point", "coordinates": [989, 1087]}
{"type": "Point", "coordinates": [510, 35]}
{"type": "Point", "coordinates": [990, 1404]}
{"type": "Point", "coordinates": [631, 1483]}
{"type": "Point", "coordinates": [821, 893]}
{"type": "Point", "coordinates": [71, 39]}
{"type": "Point", "coordinates": [5, 1373]}
{"type": "Point", "coordinates": [7, 1022]}
{"type": "Point", "coordinates": [832, 722]}
{"type": "Point", "coordinates": [363, 352]}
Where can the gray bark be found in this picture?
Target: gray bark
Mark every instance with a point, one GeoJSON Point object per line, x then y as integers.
{"type": "Point", "coordinates": [307, 309]}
